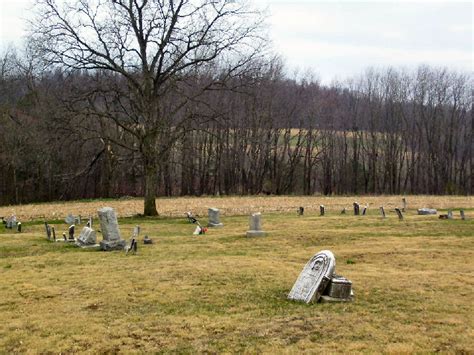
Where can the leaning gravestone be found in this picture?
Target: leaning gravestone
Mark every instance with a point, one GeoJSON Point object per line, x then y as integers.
{"type": "Point", "coordinates": [399, 213]}
{"type": "Point", "coordinates": [110, 230]}
{"type": "Point", "coordinates": [255, 226]}
{"type": "Point", "coordinates": [382, 211]}
{"type": "Point", "coordinates": [48, 230]}
{"type": "Point", "coordinates": [300, 211]}
{"type": "Point", "coordinates": [70, 219]}
{"type": "Point", "coordinates": [427, 211]}
{"type": "Point", "coordinates": [339, 289]}
{"type": "Point", "coordinates": [314, 278]}
{"type": "Point", "coordinates": [364, 210]}
{"type": "Point", "coordinates": [214, 218]}
{"type": "Point", "coordinates": [87, 238]}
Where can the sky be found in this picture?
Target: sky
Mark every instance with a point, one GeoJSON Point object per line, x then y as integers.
{"type": "Point", "coordinates": [340, 39]}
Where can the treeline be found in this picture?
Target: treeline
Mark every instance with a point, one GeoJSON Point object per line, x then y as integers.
{"type": "Point", "coordinates": [388, 131]}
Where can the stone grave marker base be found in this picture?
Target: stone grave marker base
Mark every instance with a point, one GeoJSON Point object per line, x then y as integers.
{"type": "Point", "coordinates": [251, 234]}
{"type": "Point", "coordinates": [108, 245]}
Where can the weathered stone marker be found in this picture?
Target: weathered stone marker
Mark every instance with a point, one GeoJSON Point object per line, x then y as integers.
{"type": "Point", "coordinates": [70, 219]}
{"type": "Point", "coordinates": [399, 213]}
{"type": "Point", "coordinates": [314, 278]}
{"type": "Point", "coordinates": [300, 211]}
{"type": "Point", "coordinates": [382, 212]}
{"type": "Point", "coordinates": [338, 290]}
{"type": "Point", "coordinates": [54, 233]}
{"type": "Point", "coordinates": [450, 214]}
{"type": "Point", "coordinates": [463, 216]}
{"type": "Point", "coordinates": [147, 240]}
{"type": "Point", "coordinates": [136, 231]}
{"type": "Point", "coordinates": [255, 226]}
{"type": "Point", "coordinates": [356, 208]}
{"type": "Point", "coordinates": [18, 227]}
{"type": "Point", "coordinates": [132, 247]}
{"type": "Point", "coordinates": [71, 231]}
{"type": "Point", "coordinates": [426, 211]}
{"type": "Point", "coordinates": [321, 210]}
{"type": "Point", "coordinates": [110, 230]}
{"type": "Point", "coordinates": [364, 210]}
{"type": "Point", "coordinates": [214, 218]}
{"type": "Point", "coordinates": [86, 238]}
{"type": "Point", "coordinates": [404, 202]}
{"type": "Point", "coordinates": [343, 211]}
{"type": "Point", "coordinates": [48, 230]}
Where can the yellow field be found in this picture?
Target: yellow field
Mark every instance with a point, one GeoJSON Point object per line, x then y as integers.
{"type": "Point", "coordinates": [221, 292]}
{"type": "Point", "coordinates": [176, 207]}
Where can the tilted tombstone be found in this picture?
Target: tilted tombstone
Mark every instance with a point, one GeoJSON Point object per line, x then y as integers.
{"type": "Point", "coordinates": [339, 289]}
{"type": "Point", "coordinates": [427, 211]}
{"type": "Point", "coordinates": [356, 208]}
{"type": "Point", "coordinates": [300, 211]}
{"type": "Point", "coordinates": [214, 218]}
{"type": "Point", "coordinates": [382, 211]}
{"type": "Point", "coordinates": [364, 210]}
{"type": "Point", "coordinates": [314, 278]}
{"type": "Point", "coordinates": [399, 213]}
{"type": "Point", "coordinates": [86, 238]}
{"type": "Point", "coordinates": [321, 210]}
{"type": "Point", "coordinates": [463, 216]}
{"type": "Point", "coordinates": [255, 226]}
{"type": "Point", "coordinates": [132, 247]}
{"type": "Point", "coordinates": [110, 230]}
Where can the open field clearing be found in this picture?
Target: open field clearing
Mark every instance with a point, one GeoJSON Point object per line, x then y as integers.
{"type": "Point", "coordinates": [223, 292]}
{"type": "Point", "coordinates": [238, 205]}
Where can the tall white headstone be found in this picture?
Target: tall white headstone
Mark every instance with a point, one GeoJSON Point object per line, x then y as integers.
{"type": "Point", "coordinates": [110, 230]}
{"type": "Point", "coordinates": [255, 226]}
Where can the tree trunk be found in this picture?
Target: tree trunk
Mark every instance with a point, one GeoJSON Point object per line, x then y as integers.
{"type": "Point", "coordinates": [150, 190]}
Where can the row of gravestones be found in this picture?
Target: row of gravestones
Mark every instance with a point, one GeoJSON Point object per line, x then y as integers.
{"type": "Point", "coordinates": [255, 223]}
{"type": "Point", "coordinates": [112, 239]}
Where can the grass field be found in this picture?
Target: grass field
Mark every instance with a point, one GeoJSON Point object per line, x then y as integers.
{"type": "Point", "coordinates": [221, 292]}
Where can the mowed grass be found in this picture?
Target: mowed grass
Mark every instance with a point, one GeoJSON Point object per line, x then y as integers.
{"type": "Point", "coordinates": [222, 292]}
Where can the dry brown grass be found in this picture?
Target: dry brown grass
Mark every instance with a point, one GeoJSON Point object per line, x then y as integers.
{"type": "Point", "coordinates": [237, 205]}
{"type": "Point", "coordinates": [222, 292]}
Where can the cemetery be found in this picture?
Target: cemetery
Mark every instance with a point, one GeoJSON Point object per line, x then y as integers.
{"type": "Point", "coordinates": [263, 277]}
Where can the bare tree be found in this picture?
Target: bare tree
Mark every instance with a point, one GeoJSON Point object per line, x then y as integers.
{"type": "Point", "coordinates": [149, 48]}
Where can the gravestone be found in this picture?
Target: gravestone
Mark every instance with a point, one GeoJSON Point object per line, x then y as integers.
{"type": "Point", "coordinates": [450, 214]}
{"type": "Point", "coordinates": [343, 211]}
{"type": "Point", "coordinates": [64, 237]}
{"type": "Point", "coordinates": [54, 233]}
{"type": "Point", "coordinates": [321, 210]}
{"type": "Point", "coordinates": [71, 230]}
{"type": "Point", "coordinates": [300, 211]}
{"type": "Point", "coordinates": [132, 247]}
{"type": "Point", "coordinates": [214, 218]}
{"type": "Point", "coordinates": [399, 213]}
{"type": "Point", "coordinates": [70, 219]}
{"type": "Point", "coordinates": [89, 222]}
{"type": "Point", "coordinates": [77, 220]}
{"type": "Point", "coordinates": [356, 208]}
{"type": "Point", "coordinates": [404, 202]}
{"type": "Point", "coordinates": [364, 210]}
{"type": "Point", "coordinates": [339, 289]}
{"type": "Point", "coordinates": [314, 278]}
{"type": "Point", "coordinates": [48, 230]}
{"type": "Point", "coordinates": [110, 230]}
{"type": "Point", "coordinates": [18, 227]}
{"type": "Point", "coordinates": [382, 211]}
{"type": "Point", "coordinates": [463, 216]}
{"type": "Point", "coordinates": [427, 211]}
{"type": "Point", "coordinates": [255, 226]}
{"type": "Point", "coordinates": [87, 238]}
{"type": "Point", "coordinates": [147, 240]}
{"type": "Point", "coordinates": [136, 231]}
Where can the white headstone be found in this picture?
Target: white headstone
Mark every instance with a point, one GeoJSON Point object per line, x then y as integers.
{"type": "Point", "coordinates": [314, 278]}
{"type": "Point", "coordinates": [86, 238]}
{"type": "Point", "coordinates": [426, 211]}
{"type": "Point", "coordinates": [255, 226]}
{"type": "Point", "coordinates": [110, 230]}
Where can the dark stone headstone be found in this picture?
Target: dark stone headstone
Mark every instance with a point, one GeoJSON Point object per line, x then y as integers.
{"type": "Point", "coordinates": [399, 213]}
{"type": "Point", "coordinates": [356, 208]}
{"type": "Point", "coordinates": [321, 210]}
{"type": "Point", "coordinates": [71, 231]}
{"type": "Point", "coordinates": [18, 227]}
{"type": "Point", "coordinates": [300, 211]}
{"type": "Point", "coordinates": [147, 240]}
{"type": "Point", "coordinates": [382, 211]}
{"type": "Point", "coordinates": [343, 211]}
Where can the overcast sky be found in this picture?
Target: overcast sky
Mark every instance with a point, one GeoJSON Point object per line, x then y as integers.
{"type": "Point", "coordinates": [338, 39]}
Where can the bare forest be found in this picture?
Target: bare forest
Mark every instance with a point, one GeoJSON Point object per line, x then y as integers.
{"type": "Point", "coordinates": [74, 131]}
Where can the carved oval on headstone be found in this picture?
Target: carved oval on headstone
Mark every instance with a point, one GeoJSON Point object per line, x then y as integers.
{"type": "Point", "coordinates": [314, 278]}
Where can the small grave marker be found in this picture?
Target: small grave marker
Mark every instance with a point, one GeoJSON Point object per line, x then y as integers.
{"type": "Point", "coordinates": [463, 216]}
{"type": "Point", "coordinates": [214, 218]}
{"type": "Point", "coordinates": [343, 211]}
{"type": "Point", "coordinates": [71, 232]}
{"type": "Point", "coordinates": [399, 213]}
{"type": "Point", "coordinates": [382, 211]}
{"type": "Point", "coordinates": [450, 214]}
{"type": "Point", "coordinates": [300, 211]}
{"type": "Point", "coordinates": [18, 227]}
{"type": "Point", "coordinates": [364, 210]}
{"type": "Point", "coordinates": [54, 233]}
{"type": "Point", "coordinates": [321, 210]}
{"type": "Point", "coordinates": [87, 238]}
{"type": "Point", "coordinates": [147, 240]}
{"type": "Point", "coordinates": [404, 202]}
{"type": "Point", "coordinates": [255, 226]}
{"type": "Point", "coordinates": [426, 211]}
{"type": "Point", "coordinates": [356, 208]}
